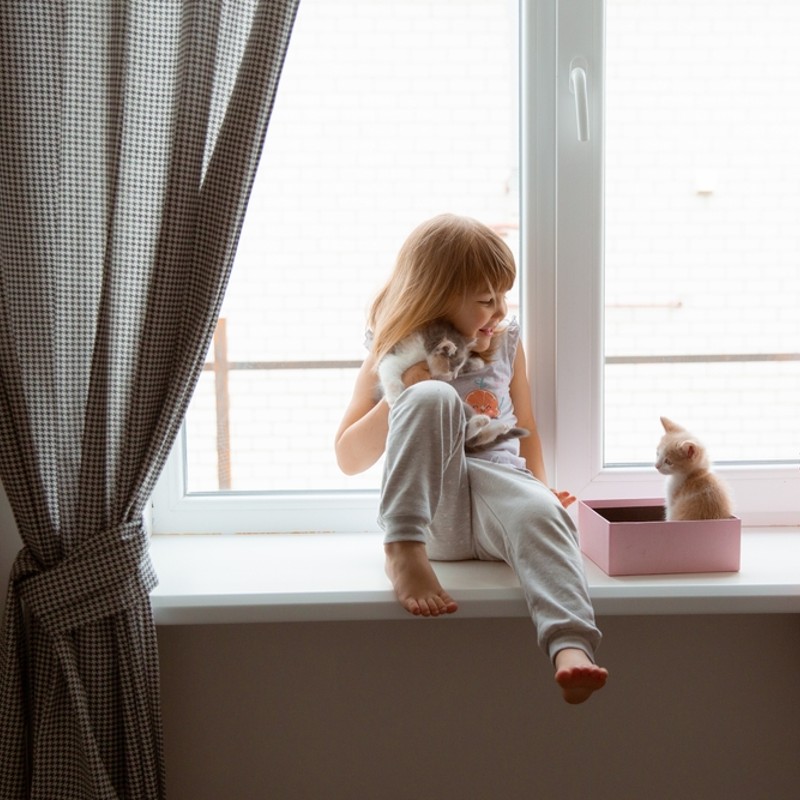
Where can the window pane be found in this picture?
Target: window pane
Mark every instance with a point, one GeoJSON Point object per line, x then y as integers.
{"type": "Point", "coordinates": [387, 114]}
{"type": "Point", "coordinates": [702, 243]}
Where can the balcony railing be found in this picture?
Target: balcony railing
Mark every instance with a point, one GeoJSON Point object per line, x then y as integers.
{"type": "Point", "coordinates": [221, 367]}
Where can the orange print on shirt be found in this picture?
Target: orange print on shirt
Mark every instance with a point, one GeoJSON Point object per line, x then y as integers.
{"type": "Point", "coordinates": [483, 402]}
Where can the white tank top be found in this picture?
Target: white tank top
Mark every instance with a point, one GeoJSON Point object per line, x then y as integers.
{"type": "Point", "coordinates": [487, 391]}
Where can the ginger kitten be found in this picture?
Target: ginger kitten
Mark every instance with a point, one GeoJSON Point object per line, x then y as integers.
{"type": "Point", "coordinates": [693, 491]}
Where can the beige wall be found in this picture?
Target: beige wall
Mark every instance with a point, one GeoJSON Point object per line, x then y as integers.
{"type": "Point", "coordinates": [697, 707]}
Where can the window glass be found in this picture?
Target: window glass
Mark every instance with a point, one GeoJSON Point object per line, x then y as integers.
{"type": "Point", "coordinates": [702, 243]}
{"type": "Point", "coordinates": [387, 113]}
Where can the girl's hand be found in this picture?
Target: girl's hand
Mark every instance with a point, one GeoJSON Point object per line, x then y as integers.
{"type": "Point", "coordinates": [565, 498]}
{"type": "Point", "coordinates": [416, 373]}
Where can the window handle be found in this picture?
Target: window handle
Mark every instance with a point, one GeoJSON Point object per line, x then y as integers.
{"type": "Point", "coordinates": [577, 85]}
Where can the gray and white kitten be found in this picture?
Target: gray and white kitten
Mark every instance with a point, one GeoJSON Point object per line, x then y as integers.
{"type": "Point", "coordinates": [447, 353]}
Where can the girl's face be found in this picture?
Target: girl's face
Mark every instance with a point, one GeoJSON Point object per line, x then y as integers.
{"type": "Point", "coordinates": [477, 316]}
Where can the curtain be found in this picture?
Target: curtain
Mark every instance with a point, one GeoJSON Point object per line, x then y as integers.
{"type": "Point", "coordinates": [129, 135]}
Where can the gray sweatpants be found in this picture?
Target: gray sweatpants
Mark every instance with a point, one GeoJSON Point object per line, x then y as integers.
{"type": "Point", "coordinates": [468, 508]}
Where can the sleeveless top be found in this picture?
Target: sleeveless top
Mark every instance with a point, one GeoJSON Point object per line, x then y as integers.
{"type": "Point", "coordinates": [487, 392]}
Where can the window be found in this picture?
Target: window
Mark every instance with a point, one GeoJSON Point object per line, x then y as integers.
{"type": "Point", "coordinates": [659, 253]}
{"type": "Point", "coordinates": [677, 245]}
{"type": "Point", "coordinates": [386, 114]}
{"type": "Point", "coordinates": [702, 198]}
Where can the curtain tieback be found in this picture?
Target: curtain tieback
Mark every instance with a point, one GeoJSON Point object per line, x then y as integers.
{"type": "Point", "coordinates": [110, 572]}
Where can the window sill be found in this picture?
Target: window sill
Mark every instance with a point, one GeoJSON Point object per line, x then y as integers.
{"type": "Point", "coordinates": [319, 577]}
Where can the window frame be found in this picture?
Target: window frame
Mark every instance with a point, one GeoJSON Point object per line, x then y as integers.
{"type": "Point", "coordinates": [561, 249]}
{"type": "Point", "coordinates": [567, 276]}
{"type": "Point", "coordinates": [173, 510]}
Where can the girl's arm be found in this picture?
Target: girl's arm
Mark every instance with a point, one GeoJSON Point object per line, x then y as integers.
{"type": "Point", "coordinates": [530, 448]}
{"type": "Point", "coordinates": [361, 438]}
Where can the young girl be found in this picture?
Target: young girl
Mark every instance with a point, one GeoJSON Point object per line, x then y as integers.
{"type": "Point", "coordinates": [437, 502]}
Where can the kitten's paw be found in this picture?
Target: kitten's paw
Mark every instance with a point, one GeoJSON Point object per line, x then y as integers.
{"type": "Point", "coordinates": [477, 422]}
{"type": "Point", "coordinates": [476, 425]}
{"type": "Point", "coordinates": [446, 348]}
{"type": "Point", "coordinates": [488, 432]}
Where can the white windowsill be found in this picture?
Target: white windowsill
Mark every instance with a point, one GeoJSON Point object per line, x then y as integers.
{"type": "Point", "coordinates": [315, 577]}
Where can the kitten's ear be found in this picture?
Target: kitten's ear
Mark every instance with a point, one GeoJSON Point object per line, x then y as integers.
{"type": "Point", "coordinates": [689, 448]}
{"type": "Point", "coordinates": [670, 426]}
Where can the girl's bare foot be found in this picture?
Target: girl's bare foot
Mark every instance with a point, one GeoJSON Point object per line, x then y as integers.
{"type": "Point", "coordinates": [577, 675]}
{"type": "Point", "coordinates": [415, 583]}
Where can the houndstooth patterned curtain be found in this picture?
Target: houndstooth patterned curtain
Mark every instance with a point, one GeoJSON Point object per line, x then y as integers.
{"type": "Point", "coordinates": [129, 136]}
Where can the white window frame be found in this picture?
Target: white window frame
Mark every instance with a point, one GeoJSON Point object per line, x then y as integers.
{"type": "Point", "coordinates": [564, 235]}
{"type": "Point", "coordinates": [176, 511]}
{"type": "Point", "coordinates": [561, 257]}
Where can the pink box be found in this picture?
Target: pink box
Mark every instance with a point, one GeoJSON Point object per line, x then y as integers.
{"type": "Point", "coordinates": [631, 537]}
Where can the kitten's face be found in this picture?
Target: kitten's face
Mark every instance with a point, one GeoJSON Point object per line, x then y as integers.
{"type": "Point", "coordinates": [671, 455]}
{"type": "Point", "coordinates": [677, 452]}
{"type": "Point", "coordinates": [448, 357]}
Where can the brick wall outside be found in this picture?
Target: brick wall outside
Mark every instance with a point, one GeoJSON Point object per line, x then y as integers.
{"type": "Point", "coordinates": [389, 113]}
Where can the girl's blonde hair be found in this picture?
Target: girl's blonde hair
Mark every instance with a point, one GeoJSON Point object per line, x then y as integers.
{"type": "Point", "coordinates": [441, 261]}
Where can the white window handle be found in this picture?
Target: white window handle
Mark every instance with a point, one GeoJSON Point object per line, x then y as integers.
{"type": "Point", "coordinates": [577, 85]}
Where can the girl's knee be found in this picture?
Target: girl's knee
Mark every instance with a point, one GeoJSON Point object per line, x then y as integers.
{"type": "Point", "coordinates": [432, 396]}
{"type": "Point", "coordinates": [429, 411]}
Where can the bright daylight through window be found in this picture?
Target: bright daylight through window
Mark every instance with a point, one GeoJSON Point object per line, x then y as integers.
{"type": "Point", "coordinates": [389, 113]}
{"type": "Point", "coordinates": [702, 242]}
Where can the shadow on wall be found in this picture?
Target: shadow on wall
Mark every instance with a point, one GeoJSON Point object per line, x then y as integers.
{"type": "Point", "coordinates": [10, 545]}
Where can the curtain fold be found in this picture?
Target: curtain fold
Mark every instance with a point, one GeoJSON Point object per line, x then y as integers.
{"type": "Point", "coordinates": [129, 137]}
